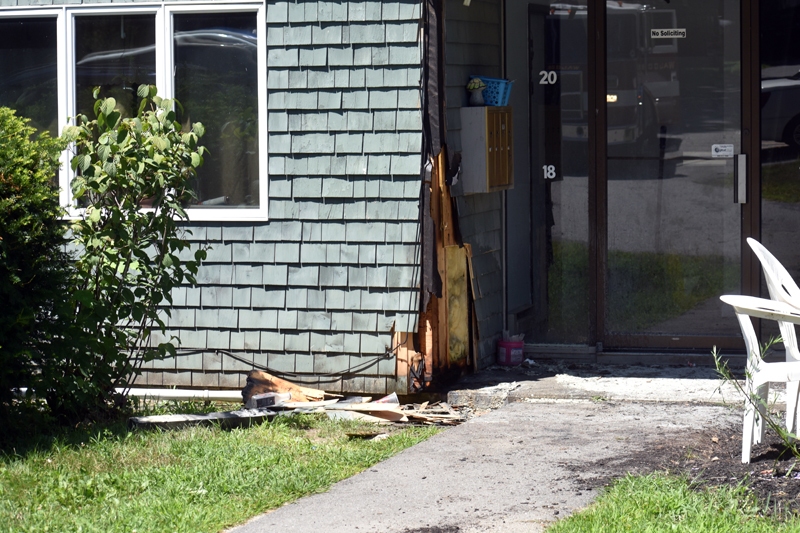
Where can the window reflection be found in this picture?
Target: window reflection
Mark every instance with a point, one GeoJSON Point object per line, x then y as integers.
{"type": "Point", "coordinates": [116, 53]}
{"type": "Point", "coordinates": [28, 74]}
{"type": "Point", "coordinates": [216, 82]}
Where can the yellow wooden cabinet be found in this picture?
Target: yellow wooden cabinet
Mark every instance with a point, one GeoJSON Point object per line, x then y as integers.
{"type": "Point", "coordinates": [487, 153]}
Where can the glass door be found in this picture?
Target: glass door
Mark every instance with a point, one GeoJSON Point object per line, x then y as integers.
{"type": "Point", "coordinates": [673, 136]}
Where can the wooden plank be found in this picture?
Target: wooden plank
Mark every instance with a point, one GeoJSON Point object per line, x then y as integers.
{"type": "Point", "coordinates": [442, 361]}
{"type": "Point", "coordinates": [259, 382]}
{"type": "Point", "coordinates": [371, 407]}
{"type": "Point", "coordinates": [404, 343]}
{"type": "Point", "coordinates": [227, 419]}
{"type": "Point", "coordinates": [457, 312]}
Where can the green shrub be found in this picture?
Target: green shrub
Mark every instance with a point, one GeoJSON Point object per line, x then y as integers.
{"type": "Point", "coordinates": [129, 258]}
{"type": "Point", "coordinates": [33, 265]}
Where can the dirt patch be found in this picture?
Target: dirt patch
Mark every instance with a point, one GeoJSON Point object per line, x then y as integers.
{"type": "Point", "coordinates": [712, 459]}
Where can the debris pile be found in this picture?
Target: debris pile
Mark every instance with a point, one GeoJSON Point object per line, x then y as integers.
{"type": "Point", "coordinates": [266, 396]}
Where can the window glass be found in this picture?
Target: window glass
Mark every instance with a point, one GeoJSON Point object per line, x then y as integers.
{"type": "Point", "coordinates": [216, 83]}
{"type": "Point", "coordinates": [28, 73]}
{"type": "Point", "coordinates": [116, 53]}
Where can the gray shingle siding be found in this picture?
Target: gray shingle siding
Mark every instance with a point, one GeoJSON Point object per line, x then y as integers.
{"type": "Point", "coordinates": [474, 48]}
{"type": "Point", "coordinates": [319, 287]}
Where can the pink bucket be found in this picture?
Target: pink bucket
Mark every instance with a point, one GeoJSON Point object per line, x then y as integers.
{"type": "Point", "coordinates": [510, 353]}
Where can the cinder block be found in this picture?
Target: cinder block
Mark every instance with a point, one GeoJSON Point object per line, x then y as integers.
{"type": "Point", "coordinates": [304, 276]}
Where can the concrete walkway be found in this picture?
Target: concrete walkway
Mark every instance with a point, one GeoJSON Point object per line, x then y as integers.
{"type": "Point", "coordinates": [518, 467]}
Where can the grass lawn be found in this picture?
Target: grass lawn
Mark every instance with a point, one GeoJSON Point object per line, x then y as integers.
{"type": "Point", "coordinates": [659, 503]}
{"type": "Point", "coordinates": [197, 479]}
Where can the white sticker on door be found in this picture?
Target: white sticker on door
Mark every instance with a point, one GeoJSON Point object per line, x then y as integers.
{"type": "Point", "coordinates": [671, 33]}
{"type": "Point", "coordinates": [721, 150]}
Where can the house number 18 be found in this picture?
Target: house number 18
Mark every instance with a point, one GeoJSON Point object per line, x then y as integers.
{"type": "Point", "coordinates": [549, 172]}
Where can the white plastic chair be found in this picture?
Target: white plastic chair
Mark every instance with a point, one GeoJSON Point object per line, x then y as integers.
{"type": "Point", "coordinates": [760, 373]}
{"type": "Point", "coordinates": [782, 288]}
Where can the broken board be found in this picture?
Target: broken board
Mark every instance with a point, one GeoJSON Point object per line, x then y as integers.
{"type": "Point", "coordinates": [457, 311]}
{"type": "Point", "coordinates": [226, 419]}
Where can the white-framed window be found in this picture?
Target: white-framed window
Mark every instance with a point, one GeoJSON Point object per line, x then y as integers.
{"type": "Point", "coordinates": [211, 57]}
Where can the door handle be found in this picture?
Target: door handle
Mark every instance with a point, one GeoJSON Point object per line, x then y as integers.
{"type": "Point", "coordinates": [740, 179]}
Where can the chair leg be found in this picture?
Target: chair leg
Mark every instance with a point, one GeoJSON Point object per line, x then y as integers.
{"type": "Point", "coordinates": [748, 430]}
{"type": "Point", "coordinates": [761, 397]}
{"type": "Point", "coordinates": [792, 396]}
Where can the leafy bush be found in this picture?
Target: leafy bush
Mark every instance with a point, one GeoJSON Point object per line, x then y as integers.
{"type": "Point", "coordinates": [129, 258]}
{"type": "Point", "coordinates": [33, 265]}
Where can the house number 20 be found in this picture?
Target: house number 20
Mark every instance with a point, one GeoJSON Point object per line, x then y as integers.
{"type": "Point", "coordinates": [549, 77]}
{"type": "Point", "coordinates": [549, 172]}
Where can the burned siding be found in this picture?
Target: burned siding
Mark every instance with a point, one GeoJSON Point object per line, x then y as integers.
{"type": "Point", "coordinates": [473, 47]}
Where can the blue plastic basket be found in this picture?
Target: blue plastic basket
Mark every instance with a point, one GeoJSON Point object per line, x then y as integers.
{"type": "Point", "coordinates": [496, 92]}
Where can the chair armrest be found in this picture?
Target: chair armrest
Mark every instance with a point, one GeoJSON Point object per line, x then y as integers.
{"type": "Point", "coordinates": [762, 308]}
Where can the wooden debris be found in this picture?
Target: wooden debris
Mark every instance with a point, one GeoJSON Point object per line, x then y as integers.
{"type": "Point", "coordinates": [226, 419]}
{"type": "Point", "coordinates": [259, 382]}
